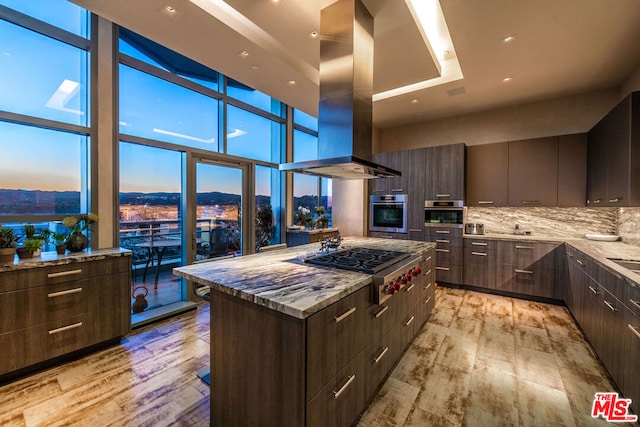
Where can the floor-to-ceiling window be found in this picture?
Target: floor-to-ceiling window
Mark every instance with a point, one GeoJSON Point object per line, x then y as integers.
{"type": "Point", "coordinates": [45, 54]}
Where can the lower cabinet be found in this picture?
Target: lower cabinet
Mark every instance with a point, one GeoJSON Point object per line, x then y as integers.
{"type": "Point", "coordinates": [449, 256]}
{"type": "Point", "coordinates": [526, 267]}
{"type": "Point", "coordinates": [480, 263]}
{"type": "Point", "coordinates": [387, 235]}
{"type": "Point", "coordinates": [55, 310]}
{"type": "Point", "coordinates": [631, 346]}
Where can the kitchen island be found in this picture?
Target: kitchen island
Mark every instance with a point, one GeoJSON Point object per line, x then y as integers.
{"type": "Point", "coordinates": [298, 344]}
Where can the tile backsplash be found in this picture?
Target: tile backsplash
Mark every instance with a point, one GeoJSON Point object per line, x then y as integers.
{"type": "Point", "coordinates": [560, 222]}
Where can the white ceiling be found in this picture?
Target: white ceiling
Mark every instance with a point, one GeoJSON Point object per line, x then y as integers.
{"type": "Point", "coordinates": [561, 48]}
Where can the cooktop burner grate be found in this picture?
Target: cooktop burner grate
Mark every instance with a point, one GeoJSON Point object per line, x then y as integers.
{"type": "Point", "coordinates": [365, 260]}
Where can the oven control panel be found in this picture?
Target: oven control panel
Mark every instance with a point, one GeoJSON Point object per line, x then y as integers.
{"type": "Point", "coordinates": [397, 277]}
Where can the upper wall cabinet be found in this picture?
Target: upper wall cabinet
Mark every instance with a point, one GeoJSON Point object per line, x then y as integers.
{"type": "Point", "coordinates": [533, 172]}
{"type": "Point", "coordinates": [395, 160]}
{"type": "Point", "coordinates": [614, 156]}
{"type": "Point", "coordinates": [444, 175]}
{"type": "Point", "coordinates": [487, 174]}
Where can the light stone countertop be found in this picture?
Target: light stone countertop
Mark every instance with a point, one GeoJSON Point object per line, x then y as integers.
{"type": "Point", "coordinates": [311, 231]}
{"type": "Point", "coordinates": [280, 281]}
{"type": "Point", "coordinates": [599, 251]}
{"type": "Point", "coordinates": [48, 259]}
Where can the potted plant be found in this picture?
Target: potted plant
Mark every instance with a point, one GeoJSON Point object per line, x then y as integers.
{"type": "Point", "coordinates": [8, 243]}
{"type": "Point", "coordinates": [60, 242]}
{"type": "Point", "coordinates": [29, 247]}
{"type": "Point", "coordinates": [76, 240]}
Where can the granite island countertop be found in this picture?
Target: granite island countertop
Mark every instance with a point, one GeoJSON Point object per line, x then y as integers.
{"type": "Point", "coordinates": [280, 280]}
{"type": "Point", "coordinates": [48, 259]}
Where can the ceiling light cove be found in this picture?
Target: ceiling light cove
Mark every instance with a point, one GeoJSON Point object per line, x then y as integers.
{"type": "Point", "coordinates": [430, 21]}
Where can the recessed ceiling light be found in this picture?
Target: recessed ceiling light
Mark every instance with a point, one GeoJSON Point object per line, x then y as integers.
{"type": "Point", "coordinates": [414, 101]}
{"type": "Point", "coordinates": [291, 82]}
{"type": "Point", "coordinates": [254, 67]}
{"type": "Point", "coordinates": [314, 34]}
{"type": "Point", "coordinates": [507, 79]}
{"type": "Point", "coordinates": [170, 9]}
{"type": "Point", "coordinates": [509, 39]}
{"type": "Point", "coordinates": [243, 54]}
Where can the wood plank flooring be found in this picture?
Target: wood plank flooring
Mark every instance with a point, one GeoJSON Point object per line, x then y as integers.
{"type": "Point", "coordinates": [481, 360]}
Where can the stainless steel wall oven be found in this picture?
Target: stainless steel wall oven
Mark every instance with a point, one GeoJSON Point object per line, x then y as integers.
{"type": "Point", "coordinates": [388, 213]}
{"type": "Point", "coordinates": [444, 213]}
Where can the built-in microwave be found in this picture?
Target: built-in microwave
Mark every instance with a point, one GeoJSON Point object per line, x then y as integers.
{"type": "Point", "coordinates": [444, 213]}
{"type": "Point", "coordinates": [388, 213]}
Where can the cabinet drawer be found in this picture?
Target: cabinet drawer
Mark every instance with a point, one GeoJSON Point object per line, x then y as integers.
{"type": "Point", "coordinates": [30, 307]}
{"type": "Point", "coordinates": [334, 336]}
{"type": "Point", "coordinates": [446, 257]}
{"type": "Point", "coordinates": [405, 327]}
{"type": "Point", "coordinates": [631, 338]}
{"type": "Point", "coordinates": [378, 361]}
{"type": "Point", "coordinates": [340, 402]}
{"type": "Point", "coordinates": [385, 235]}
{"type": "Point", "coordinates": [453, 234]}
{"type": "Point", "coordinates": [49, 275]}
{"type": "Point", "coordinates": [479, 267]}
{"type": "Point", "coordinates": [632, 299]}
{"type": "Point", "coordinates": [449, 274]}
{"type": "Point", "coordinates": [480, 245]}
{"type": "Point", "coordinates": [380, 320]}
{"type": "Point", "coordinates": [532, 281]}
{"type": "Point", "coordinates": [524, 255]}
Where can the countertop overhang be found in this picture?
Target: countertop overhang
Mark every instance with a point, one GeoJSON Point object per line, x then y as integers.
{"type": "Point", "coordinates": [280, 281]}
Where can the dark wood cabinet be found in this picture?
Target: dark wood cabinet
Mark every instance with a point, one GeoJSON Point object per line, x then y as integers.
{"type": "Point", "coordinates": [631, 368]}
{"type": "Point", "coordinates": [526, 267]}
{"type": "Point", "coordinates": [387, 235]}
{"type": "Point", "coordinates": [449, 253]}
{"type": "Point", "coordinates": [480, 263]}
{"type": "Point", "coordinates": [572, 170]}
{"type": "Point", "coordinates": [613, 156]}
{"type": "Point", "coordinates": [395, 160]}
{"type": "Point", "coordinates": [487, 174]}
{"type": "Point", "coordinates": [416, 184]}
{"type": "Point", "coordinates": [53, 310]}
{"type": "Point", "coordinates": [533, 172]}
{"type": "Point", "coordinates": [303, 237]}
{"type": "Point", "coordinates": [444, 175]}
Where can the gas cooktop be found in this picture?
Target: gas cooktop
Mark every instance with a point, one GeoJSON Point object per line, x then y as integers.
{"type": "Point", "coordinates": [365, 260]}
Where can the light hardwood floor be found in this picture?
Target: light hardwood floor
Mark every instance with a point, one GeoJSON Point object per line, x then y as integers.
{"type": "Point", "coordinates": [481, 360]}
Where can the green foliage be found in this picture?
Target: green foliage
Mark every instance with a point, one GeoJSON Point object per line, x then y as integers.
{"type": "Point", "coordinates": [8, 239]}
{"type": "Point", "coordinates": [33, 244]}
{"type": "Point", "coordinates": [264, 226]}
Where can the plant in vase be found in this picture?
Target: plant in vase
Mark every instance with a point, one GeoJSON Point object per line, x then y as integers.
{"type": "Point", "coordinates": [29, 246]}
{"type": "Point", "coordinates": [59, 240]}
{"type": "Point", "coordinates": [8, 244]}
{"type": "Point", "coordinates": [321, 221]}
{"type": "Point", "coordinates": [77, 241]}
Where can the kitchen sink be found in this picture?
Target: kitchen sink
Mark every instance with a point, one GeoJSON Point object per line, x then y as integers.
{"type": "Point", "coordinates": [630, 264]}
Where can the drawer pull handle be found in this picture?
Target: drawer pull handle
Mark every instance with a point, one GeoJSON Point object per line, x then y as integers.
{"type": "Point", "coordinates": [408, 322]}
{"type": "Point", "coordinates": [427, 287]}
{"type": "Point", "coordinates": [579, 262]}
{"type": "Point", "coordinates": [634, 330]}
{"type": "Point", "coordinates": [428, 258]}
{"type": "Point", "coordinates": [415, 229]}
{"type": "Point", "coordinates": [443, 195]}
{"type": "Point", "coordinates": [531, 202]}
{"type": "Point", "coordinates": [387, 237]}
{"type": "Point", "coordinates": [397, 189]}
{"type": "Point", "coordinates": [336, 394]}
{"type": "Point", "coordinates": [67, 292]}
{"type": "Point", "coordinates": [382, 311]}
{"type": "Point", "coordinates": [381, 355]}
{"type": "Point", "coordinates": [485, 202]}
{"type": "Point", "coordinates": [443, 232]}
{"type": "Point", "coordinates": [427, 300]}
{"type": "Point", "coordinates": [65, 328]}
{"type": "Point", "coordinates": [442, 250]}
{"type": "Point", "coordinates": [63, 273]}
{"type": "Point", "coordinates": [524, 247]}
{"type": "Point", "coordinates": [410, 287]}
{"type": "Point", "coordinates": [616, 200]}
{"type": "Point", "coordinates": [442, 241]}
{"type": "Point", "coordinates": [517, 270]}
{"type": "Point", "coordinates": [611, 307]}
{"type": "Point", "coordinates": [479, 253]}
{"type": "Point", "coordinates": [429, 272]}
{"type": "Point", "coordinates": [479, 243]}
{"type": "Point", "coordinates": [378, 191]}
{"type": "Point", "coordinates": [636, 303]}
{"type": "Point", "coordinates": [345, 314]}
{"type": "Point", "coordinates": [596, 201]}
{"type": "Point", "coordinates": [594, 290]}
{"type": "Point", "coordinates": [442, 268]}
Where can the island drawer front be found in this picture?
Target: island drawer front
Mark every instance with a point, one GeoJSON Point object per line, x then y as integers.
{"type": "Point", "coordinates": [342, 399]}
{"type": "Point", "coordinates": [49, 275]}
{"type": "Point", "coordinates": [334, 336]}
{"type": "Point", "coordinates": [378, 361]}
{"type": "Point", "coordinates": [380, 320]}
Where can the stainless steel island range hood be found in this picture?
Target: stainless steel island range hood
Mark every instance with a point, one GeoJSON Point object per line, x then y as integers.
{"type": "Point", "coordinates": [345, 117]}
